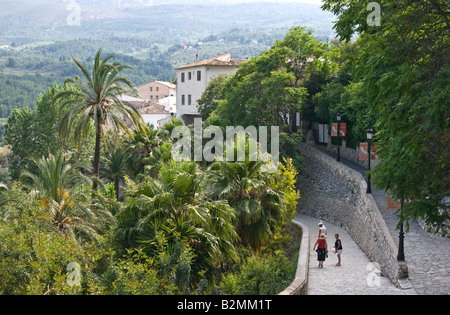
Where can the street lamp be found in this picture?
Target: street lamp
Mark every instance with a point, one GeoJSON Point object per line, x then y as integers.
{"type": "Point", "coordinates": [339, 117]}
{"type": "Point", "coordinates": [401, 237]}
{"type": "Point", "coordinates": [369, 137]}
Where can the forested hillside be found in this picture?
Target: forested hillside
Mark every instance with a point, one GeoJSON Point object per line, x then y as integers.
{"type": "Point", "coordinates": [37, 40]}
{"type": "Point", "coordinates": [24, 22]}
{"type": "Point", "coordinates": [27, 71]}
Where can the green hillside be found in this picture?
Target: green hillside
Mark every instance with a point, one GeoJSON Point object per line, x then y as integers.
{"type": "Point", "coordinates": [153, 39]}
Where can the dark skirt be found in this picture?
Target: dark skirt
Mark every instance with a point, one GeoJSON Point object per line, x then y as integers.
{"type": "Point", "coordinates": [321, 254]}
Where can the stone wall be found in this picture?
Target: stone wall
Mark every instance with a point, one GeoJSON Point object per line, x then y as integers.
{"type": "Point", "coordinates": [333, 192]}
{"type": "Point", "coordinates": [300, 284]}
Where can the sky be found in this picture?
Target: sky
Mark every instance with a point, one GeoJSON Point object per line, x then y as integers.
{"type": "Point", "coordinates": [317, 2]}
{"type": "Point", "coordinates": [306, 1]}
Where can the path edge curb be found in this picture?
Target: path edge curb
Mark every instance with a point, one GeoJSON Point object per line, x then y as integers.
{"type": "Point", "coordinates": [300, 284]}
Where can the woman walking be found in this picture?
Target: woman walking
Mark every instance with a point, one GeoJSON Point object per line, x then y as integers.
{"type": "Point", "coordinates": [338, 248]}
{"type": "Point", "coordinates": [322, 249]}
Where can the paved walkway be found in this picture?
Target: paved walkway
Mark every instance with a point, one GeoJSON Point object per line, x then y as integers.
{"type": "Point", "coordinates": [356, 275]}
{"type": "Point", "coordinates": [427, 255]}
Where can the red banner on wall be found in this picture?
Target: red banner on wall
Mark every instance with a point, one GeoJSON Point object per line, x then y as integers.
{"type": "Point", "coordinates": [334, 128]}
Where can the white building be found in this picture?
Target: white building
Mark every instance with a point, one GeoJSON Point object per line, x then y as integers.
{"type": "Point", "coordinates": [156, 90]}
{"type": "Point", "coordinates": [193, 78]}
{"type": "Point", "coordinates": [152, 112]}
{"type": "Point", "coordinates": [170, 103]}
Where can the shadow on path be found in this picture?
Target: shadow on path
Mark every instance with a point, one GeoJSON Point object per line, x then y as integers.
{"type": "Point", "coordinates": [356, 275]}
{"type": "Point", "coordinates": [427, 255]}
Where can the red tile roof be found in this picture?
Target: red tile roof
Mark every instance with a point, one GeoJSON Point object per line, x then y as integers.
{"type": "Point", "coordinates": [222, 60]}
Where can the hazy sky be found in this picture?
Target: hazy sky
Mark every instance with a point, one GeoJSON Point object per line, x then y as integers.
{"type": "Point", "coordinates": [319, 2]}
{"type": "Point", "coordinates": [307, 1]}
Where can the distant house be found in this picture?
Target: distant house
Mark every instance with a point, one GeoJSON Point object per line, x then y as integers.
{"type": "Point", "coordinates": [156, 90]}
{"type": "Point", "coordinates": [151, 112]}
{"type": "Point", "coordinates": [170, 103]}
{"type": "Point", "coordinates": [193, 78]}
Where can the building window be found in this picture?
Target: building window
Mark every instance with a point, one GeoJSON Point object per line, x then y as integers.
{"type": "Point", "coordinates": [151, 89]}
{"type": "Point", "coordinates": [157, 89]}
{"type": "Point", "coordinates": [199, 75]}
{"type": "Point", "coordinates": [189, 99]}
{"type": "Point", "coordinates": [190, 75]}
{"type": "Point", "coordinates": [183, 100]}
{"type": "Point", "coordinates": [182, 77]}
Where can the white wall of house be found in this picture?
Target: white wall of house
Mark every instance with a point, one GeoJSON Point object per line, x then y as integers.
{"type": "Point", "coordinates": [189, 91]}
{"type": "Point", "coordinates": [154, 118]}
{"type": "Point", "coordinates": [170, 103]}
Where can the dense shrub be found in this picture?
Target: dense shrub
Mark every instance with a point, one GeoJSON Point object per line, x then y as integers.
{"type": "Point", "coordinates": [258, 275]}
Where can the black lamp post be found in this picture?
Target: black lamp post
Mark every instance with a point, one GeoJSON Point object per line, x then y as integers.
{"type": "Point", "coordinates": [369, 137]}
{"type": "Point", "coordinates": [339, 117]}
{"type": "Point", "coordinates": [401, 237]}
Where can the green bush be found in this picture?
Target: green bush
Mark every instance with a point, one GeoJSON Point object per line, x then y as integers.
{"type": "Point", "coordinates": [258, 275]}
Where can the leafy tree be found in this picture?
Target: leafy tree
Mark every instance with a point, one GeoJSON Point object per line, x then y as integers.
{"type": "Point", "coordinates": [19, 135]}
{"type": "Point", "coordinates": [213, 92]}
{"type": "Point", "coordinates": [33, 134]}
{"type": "Point", "coordinates": [285, 181]}
{"type": "Point", "coordinates": [138, 274]}
{"type": "Point", "coordinates": [97, 101]}
{"type": "Point", "coordinates": [270, 88]}
{"type": "Point", "coordinates": [267, 275]}
{"type": "Point", "coordinates": [403, 64]}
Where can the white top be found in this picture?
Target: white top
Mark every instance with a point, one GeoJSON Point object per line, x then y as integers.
{"type": "Point", "coordinates": [323, 230]}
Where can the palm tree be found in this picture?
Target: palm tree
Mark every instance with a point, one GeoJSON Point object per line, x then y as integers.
{"type": "Point", "coordinates": [259, 208]}
{"type": "Point", "coordinates": [58, 186]}
{"type": "Point", "coordinates": [158, 157]}
{"type": "Point", "coordinates": [96, 99]}
{"type": "Point", "coordinates": [140, 145]}
{"type": "Point", "coordinates": [176, 206]}
{"type": "Point", "coordinates": [114, 167]}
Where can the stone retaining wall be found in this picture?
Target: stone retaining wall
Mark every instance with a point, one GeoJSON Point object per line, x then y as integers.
{"type": "Point", "coordinates": [300, 284]}
{"type": "Point", "coordinates": [333, 192]}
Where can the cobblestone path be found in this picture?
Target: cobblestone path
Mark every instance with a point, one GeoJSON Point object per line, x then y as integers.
{"type": "Point", "coordinates": [356, 275]}
{"type": "Point", "coordinates": [427, 255]}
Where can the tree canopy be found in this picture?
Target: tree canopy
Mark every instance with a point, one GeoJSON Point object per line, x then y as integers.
{"type": "Point", "coordinates": [403, 64]}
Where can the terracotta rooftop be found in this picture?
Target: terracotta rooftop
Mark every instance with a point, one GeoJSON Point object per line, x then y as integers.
{"type": "Point", "coordinates": [168, 84]}
{"type": "Point", "coordinates": [149, 108]}
{"type": "Point", "coordinates": [222, 60]}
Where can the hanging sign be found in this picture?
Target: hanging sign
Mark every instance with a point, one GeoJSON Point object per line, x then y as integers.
{"type": "Point", "coordinates": [334, 128]}
{"type": "Point", "coordinates": [364, 151]}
